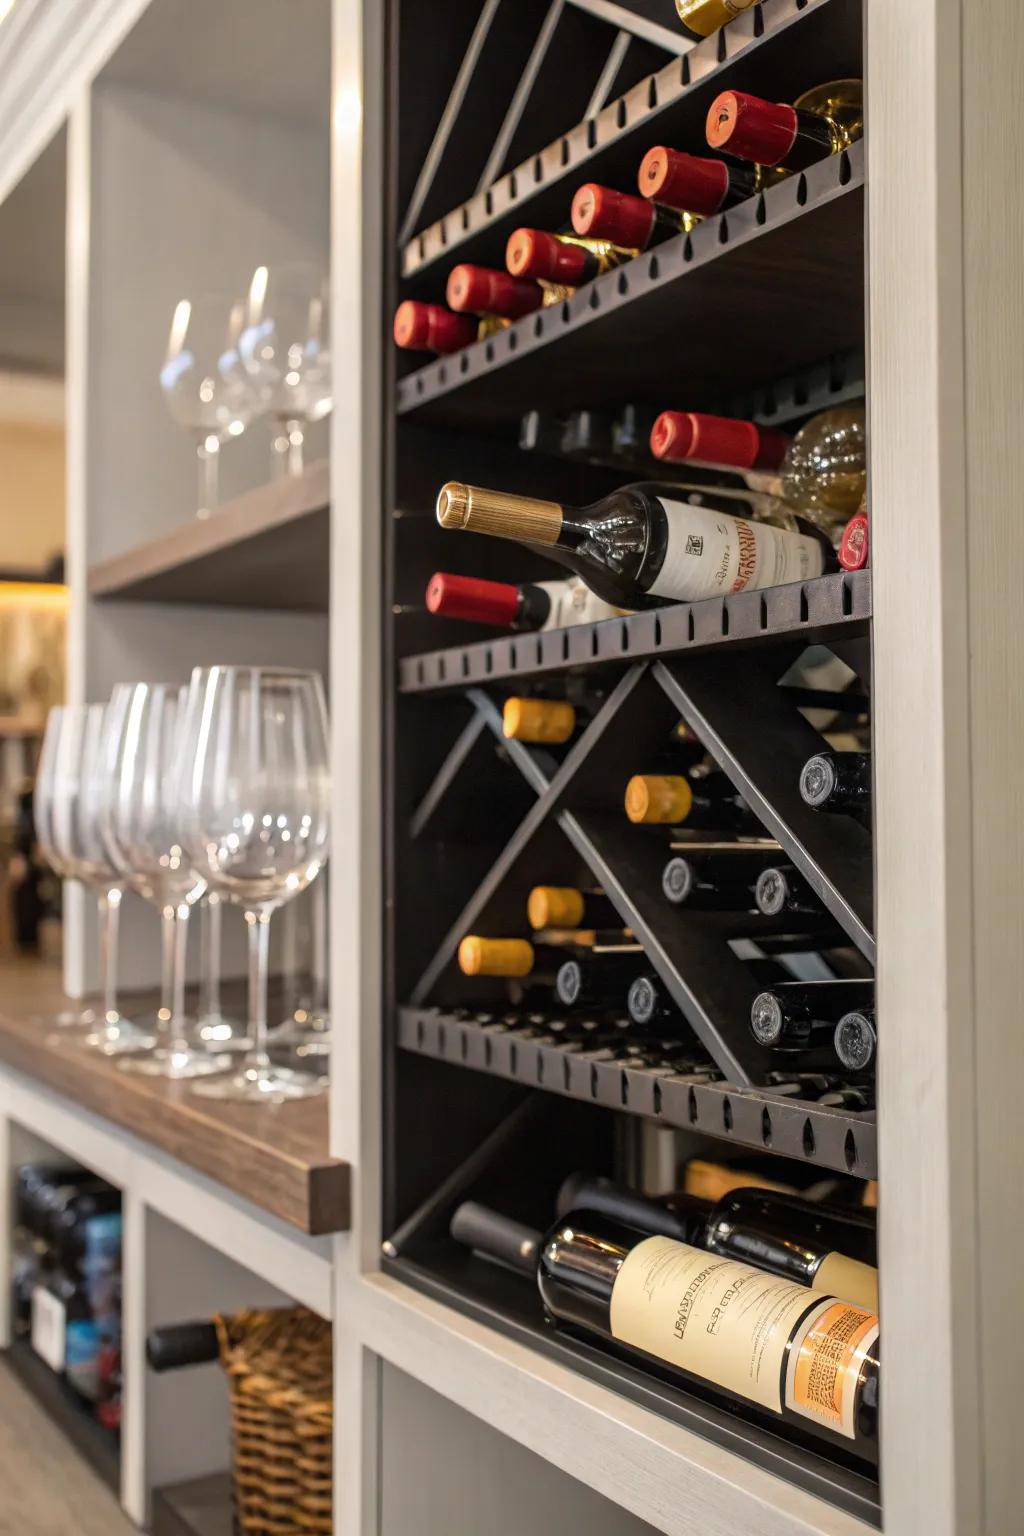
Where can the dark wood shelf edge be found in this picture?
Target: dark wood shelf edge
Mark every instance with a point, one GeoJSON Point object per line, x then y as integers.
{"type": "Point", "coordinates": [96, 1445]}
{"type": "Point", "coordinates": [817, 610]}
{"type": "Point", "coordinates": [256, 513]}
{"type": "Point", "coordinates": [204, 1506]}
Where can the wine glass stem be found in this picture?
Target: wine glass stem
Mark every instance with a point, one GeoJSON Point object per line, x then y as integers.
{"type": "Point", "coordinates": [171, 1018]}
{"type": "Point", "coordinates": [179, 1041]}
{"type": "Point", "coordinates": [208, 452]}
{"type": "Point", "coordinates": [289, 446]}
{"type": "Point", "coordinates": [319, 945]}
{"type": "Point", "coordinates": [210, 928]}
{"type": "Point", "coordinates": [259, 954]}
{"type": "Point", "coordinates": [110, 916]}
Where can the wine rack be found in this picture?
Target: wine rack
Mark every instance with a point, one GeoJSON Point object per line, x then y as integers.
{"type": "Point", "coordinates": [759, 312]}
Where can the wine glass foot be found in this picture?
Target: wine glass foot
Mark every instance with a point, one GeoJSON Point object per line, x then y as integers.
{"type": "Point", "coordinates": [119, 1037]}
{"type": "Point", "coordinates": [262, 1085]}
{"type": "Point", "coordinates": [179, 1062]}
{"type": "Point", "coordinates": [67, 1018]}
{"type": "Point", "coordinates": [217, 1032]}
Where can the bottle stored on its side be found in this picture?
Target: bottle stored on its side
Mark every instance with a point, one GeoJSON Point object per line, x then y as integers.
{"type": "Point", "coordinates": [670, 799]}
{"type": "Point", "coordinates": [855, 1039]}
{"type": "Point", "coordinates": [694, 437]}
{"type": "Point", "coordinates": [482, 291]}
{"type": "Point", "coordinates": [530, 605]}
{"type": "Point", "coordinates": [630, 222]}
{"type": "Point", "coordinates": [822, 122]}
{"type": "Point", "coordinates": [719, 877]}
{"type": "Point", "coordinates": [853, 546]}
{"type": "Point", "coordinates": [420, 327]}
{"type": "Point", "coordinates": [566, 906]}
{"type": "Point", "coordinates": [641, 546]}
{"type": "Point", "coordinates": [781, 888]}
{"type": "Point", "coordinates": [701, 18]}
{"type": "Point", "coordinates": [795, 1015]}
{"type": "Point", "coordinates": [827, 1248]}
{"type": "Point", "coordinates": [599, 979]}
{"type": "Point", "coordinates": [649, 1005]}
{"type": "Point", "coordinates": [672, 179]}
{"type": "Point", "coordinates": [545, 722]}
{"type": "Point", "coordinates": [837, 781]}
{"type": "Point", "coordinates": [566, 260]}
{"type": "Point", "coordinates": [807, 1359]}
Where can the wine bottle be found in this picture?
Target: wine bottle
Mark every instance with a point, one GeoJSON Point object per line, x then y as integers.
{"type": "Point", "coordinates": [566, 260]}
{"type": "Point", "coordinates": [648, 1003]}
{"type": "Point", "coordinates": [693, 437]}
{"type": "Point", "coordinates": [825, 471]}
{"type": "Point", "coordinates": [855, 1039]}
{"type": "Point", "coordinates": [632, 223]}
{"type": "Point", "coordinates": [514, 958]}
{"type": "Point", "coordinates": [700, 18]}
{"type": "Point", "coordinates": [822, 122]}
{"type": "Point", "coordinates": [797, 1014]}
{"type": "Point", "coordinates": [548, 722]}
{"type": "Point", "coordinates": [599, 978]}
{"type": "Point", "coordinates": [432, 328]}
{"type": "Point", "coordinates": [565, 906]}
{"type": "Point", "coordinates": [640, 546]}
{"type": "Point", "coordinates": [826, 1248]}
{"type": "Point", "coordinates": [671, 179]}
{"type": "Point", "coordinates": [717, 879]}
{"type": "Point", "coordinates": [837, 781]}
{"type": "Point", "coordinates": [532, 605]}
{"type": "Point", "coordinates": [780, 888]}
{"type": "Point", "coordinates": [807, 1359]}
{"type": "Point", "coordinates": [669, 799]}
{"type": "Point", "coordinates": [853, 546]}
{"type": "Point", "coordinates": [489, 291]}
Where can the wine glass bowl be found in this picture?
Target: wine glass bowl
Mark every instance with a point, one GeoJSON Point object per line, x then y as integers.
{"type": "Point", "coordinates": [205, 386]}
{"type": "Point", "coordinates": [255, 800]}
{"type": "Point", "coordinates": [284, 347]}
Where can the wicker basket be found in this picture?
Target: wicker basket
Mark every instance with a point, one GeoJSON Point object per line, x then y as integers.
{"type": "Point", "coordinates": [278, 1364]}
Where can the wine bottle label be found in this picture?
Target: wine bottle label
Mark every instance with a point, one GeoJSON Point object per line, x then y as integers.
{"type": "Point", "coordinates": [710, 553]}
{"type": "Point", "coordinates": [733, 1325]}
{"type": "Point", "coordinates": [849, 1278]}
{"type": "Point", "coordinates": [572, 602]}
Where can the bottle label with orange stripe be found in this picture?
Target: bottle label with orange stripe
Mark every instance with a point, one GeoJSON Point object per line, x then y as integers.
{"type": "Point", "coordinates": [825, 1360]}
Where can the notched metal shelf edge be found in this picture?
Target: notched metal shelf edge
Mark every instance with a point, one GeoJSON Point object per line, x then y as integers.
{"type": "Point", "coordinates": [755, 40]}
{"type": "Point", "coordinates": [821, 1135]}
{"type": "Point", "coordinates": [815, 610]}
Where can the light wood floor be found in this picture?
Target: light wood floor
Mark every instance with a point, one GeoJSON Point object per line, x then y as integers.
{"type": "Point", "coordinates": [46, 1489]}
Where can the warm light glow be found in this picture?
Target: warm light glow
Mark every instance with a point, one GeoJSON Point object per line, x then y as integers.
{"type": "Point", "coordinates": [348, 110]}
{"type": "Point", "coordinates": [257, 294]}
{"type": "Point", "coordinates": [6, 7]}
{"type": "Point", "coordinates": [32, 594]}
{"type": "Point", "coordinates": [179, 322]}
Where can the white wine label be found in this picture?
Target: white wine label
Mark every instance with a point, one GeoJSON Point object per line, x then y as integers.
{"type": "Point", "coordinates": [837, 1275]}
{"type": "Point", "coordinates": [572, 602]}
{"type": "Point", "coordinates": [720, 1320]}
{"type": "Point", "coordinates": [48, 1327]}
{"type": "Point", "coordinates": [829, 1349]}
{"type": "Point", "coordinates": [710, 553]}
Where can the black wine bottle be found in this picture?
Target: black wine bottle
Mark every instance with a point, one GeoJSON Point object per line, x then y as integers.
{"type": "Point", "coordinates": [803, 1358]}
{"type": "Point", "coordinates": [649, 1005]}
{"type": "Point", "coordinates": [708, 802]}
{"type": "Point", "coordinates": [643, 545]}
{"type": "Point", "coordinates": [855, 1039]}
{"type": "Point", "coordinates": [719, 877]}
{"type": "Point", "coordinates": [827, 1248]}
{"type": "Point", "coordinates": [837, 781]}
{"type": "Point", "coordinates": [797, 1014]}
{"type": "Point", "coordinates": [780, 888]}
{"type": "Point", "coordinates": [598, 979]}
{"type": "Point", "coordinates": [566, 906]}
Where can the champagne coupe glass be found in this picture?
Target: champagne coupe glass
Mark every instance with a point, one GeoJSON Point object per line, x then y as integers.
{"type": "Point", "coordinates": [144, 833]}
{"type": "Point", "coordinates": [256, 800]}
{"type": "Point", "coordinates": [285, 349]}
{"type": "Point", "coordinates": [59, 724]}
{"type": "Point", "coordinates": [206, 388]}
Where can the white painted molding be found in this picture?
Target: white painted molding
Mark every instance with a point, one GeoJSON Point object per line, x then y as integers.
{"type": "Point", "coordinates": [29, 400]}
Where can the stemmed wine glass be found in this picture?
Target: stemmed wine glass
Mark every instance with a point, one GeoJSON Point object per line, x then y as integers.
{"type": "Point", "coordinates": [255, 803]}
{"type": "Point", "coordinates": [144, 836]}
{"type": "Point", "coordinates": [205, 385]}
{"type": "Point", "coordinates": [285, 349]}
{"type": "Point", "coordinates": [216, 1029]}
{"type": "Point", "coordinates": [43, 806]}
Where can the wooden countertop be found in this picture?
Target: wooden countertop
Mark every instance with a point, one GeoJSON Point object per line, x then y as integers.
{"type": "Point", "coordinates": [275, 1155]}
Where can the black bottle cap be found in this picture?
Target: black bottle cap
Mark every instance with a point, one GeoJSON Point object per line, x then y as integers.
{"type": "Point", "coordinates": [677, 880]}
{"type": "Point", "coordinates": [766, 1018]}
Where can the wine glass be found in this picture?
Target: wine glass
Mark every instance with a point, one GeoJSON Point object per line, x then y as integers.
{"type": "Point", "coordinates": [285, 349]}
{"type": "Point", "coordinates": [52, 776]}
{"type": "Point", "coordinates": [206, 388]}
{"type": "Point", "coordinates": [307, 1030]}
{"type": "Point", "coordinates": [255, 798]}
{"type": "Point", "coordinates": [144, 836]}
{"type": "Point", "coordinates": [215, 1028]}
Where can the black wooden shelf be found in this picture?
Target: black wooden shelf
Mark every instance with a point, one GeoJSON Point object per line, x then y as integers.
{"type": "Point", "coordinates": [820, 610]}
{"type": "Point", "coordinates": [752, 1117]}
{"type": "Point", "coordinates": [777, 282]}
{"type": "Point", "coordinates": [778, 48]}
{"type": "Point", "coordinates": [98, 1446]}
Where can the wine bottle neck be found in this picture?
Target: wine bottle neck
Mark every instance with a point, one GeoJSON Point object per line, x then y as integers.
{"type": "Point", "coordinates": [501, 514]}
